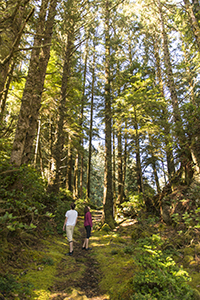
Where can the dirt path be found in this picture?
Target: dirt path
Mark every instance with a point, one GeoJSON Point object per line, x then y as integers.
{"type": "Point", "coordinates": [83, 282]}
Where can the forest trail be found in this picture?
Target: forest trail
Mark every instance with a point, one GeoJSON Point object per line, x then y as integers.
{"type": "Point", "coordinates": [78, 285]}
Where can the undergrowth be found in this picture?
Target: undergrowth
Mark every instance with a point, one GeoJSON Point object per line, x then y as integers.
{"type": "Point", "coordinates": [137, 265]}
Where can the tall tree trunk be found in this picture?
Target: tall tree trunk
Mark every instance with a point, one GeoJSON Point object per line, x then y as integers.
{"type": "Point", "coordinates": [194, 135]}
{"type": "Point", "coordinates": [91, 128]}
{"type": "Point", "coordinates": [62, 111]}
{"type": "Point", "coordinates": [108, 193]}
{"type": "Point", "coordinates": [5, 94]}
{"type": "Point", "coordinates": [120, 165]}
{"type": "Point", "coordinates": [153, 162]}
{"type": "Point", "coordinates": [114, 170]}
{"type": "Point", "coordinates": [75, 186]}
{"type": "Point", "coordinates": [124, 162]}
{"type": "Point", "coordinates": [69, 167]}
{"type": "Point", "coordinates": [50, 158]}
{"type": "Point", "coordinates": [81, 118]}
{"type": "Point", "coordinates": [41, 71]}
{"type": "Point", "coordinates": [166, 125]}
{"type": "Point", "coordinates": [41, 162]}
{"type": "Point", "coordinates": [37, 143]}
{"type": "Point", "coordinates": [138, 160]}
{"type": "Point", "coordinates": [184, 152]}
{"type": "Point", "coordinates": [31, 100]}
{"type": "Point", "coordinates": [193, 22]}
{"type": "Point", "coordinates": [196, 9]}
{"type": "Point", "coordinates": [13, 22]}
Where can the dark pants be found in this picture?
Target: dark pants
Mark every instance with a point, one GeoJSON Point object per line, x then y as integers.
{"type": "Point", "coordinates": [88, 231]}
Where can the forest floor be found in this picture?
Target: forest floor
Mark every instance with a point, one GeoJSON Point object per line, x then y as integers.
{"type": "Point", "coordinates": [83, 283]}
{"type": "Point", "coordinates": [45, 271]}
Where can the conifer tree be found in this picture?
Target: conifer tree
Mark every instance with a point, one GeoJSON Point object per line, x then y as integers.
{"type": "Point", "coordinates": [31, 101]}
{"type": "Point", "coordinates": [13, 18]}
{"type": "Point", "coordinates": [108, 192]}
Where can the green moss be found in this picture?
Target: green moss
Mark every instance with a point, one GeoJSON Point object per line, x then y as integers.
{"type": "Point", "coordinates": [189, 251]}
{"type": "Point", "coordinates": [197, 249]}
{"type": "Point", "coordinates": [120, 240]}
{"type": "Point", "coordinates": [105, 227]}
{"type": "Point", "coordinates": [187, 259]}
{"type": "Point", "coordinates": [42, 277]}
{"type": "Point", "coordinates": [116, 266]}
{"type": "Point", "coordinates": [194, 283]}
{"type": "Point", "coordinates": [196, 295]}
{"type": "Point", "coordinates": [43, 267]}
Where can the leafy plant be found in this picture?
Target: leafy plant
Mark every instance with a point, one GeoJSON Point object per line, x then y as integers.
{"type": "Point", "coordinates": [9, 284]}
{"type": "Point", "coordinates": [158, 277]}
{"type": "Point", "coordinates": [128, 250]}
{"type": "Point", "coordinates": [22, 193]}
{"type": "Point", "coordinates": [48, 261]}
{"type": "Point", "coordinates": [62, 207]}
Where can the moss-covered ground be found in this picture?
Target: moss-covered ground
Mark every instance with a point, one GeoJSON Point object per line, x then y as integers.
{"type": "Point", "coordinates": [119, 263]}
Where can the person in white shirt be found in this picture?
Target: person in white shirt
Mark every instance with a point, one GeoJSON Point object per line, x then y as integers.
{"type": "Point", "coordinates": [71, 217]}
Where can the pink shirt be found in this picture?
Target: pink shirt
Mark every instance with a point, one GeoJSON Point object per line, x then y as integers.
{"type": "Point", "coordinates": [88, 219]}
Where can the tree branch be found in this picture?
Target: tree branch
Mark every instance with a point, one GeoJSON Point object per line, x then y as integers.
{"type": "Point", "coordinates": [6, 59]}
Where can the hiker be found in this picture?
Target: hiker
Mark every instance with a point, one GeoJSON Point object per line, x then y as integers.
{"type": "Point", "coordinates": [70, 222]}
{"type": "Point", "coordinates": [88, 228]}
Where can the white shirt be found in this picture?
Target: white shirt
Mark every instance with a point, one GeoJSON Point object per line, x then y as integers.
{"type": "Point", "coordinates": [71, 216]}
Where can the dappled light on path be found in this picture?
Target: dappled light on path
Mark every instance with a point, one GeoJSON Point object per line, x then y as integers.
{"type": "Point", "coordinates": [78, 275]}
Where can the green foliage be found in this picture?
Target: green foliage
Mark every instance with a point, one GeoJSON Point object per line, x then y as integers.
{"type": "Point", "coordinates": [105, 228]}
{"type": "Point", "coordinates": [62, 207]}
{"type": "Point", "coordinates": [48, 261]}
{"type": "Point", "coordinates": [114, 252]}
{"type": "Point", "coordinates": [158, 278]}
{"type": "Point", "coordinates": [26, 203]}
{"type": "Point", "coordinates": [9, 284]}
{"type": "Point", "coordinates": [80, 205]}
{"type": "Point", "coordinates": [97, 176]}
{"type": "Point", "coordinates": [134, 205]}
{"type": "Point", "coordinates": [129, 249]}
{"type": "Point", "coordinates": [22, 193]}
{"type": "Point", "coordinates": [188, 218]}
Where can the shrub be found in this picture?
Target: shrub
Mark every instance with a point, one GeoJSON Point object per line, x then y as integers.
{"type": "Point", "coordinates": [80, 205]}
{"type": "Point", "coordinates": [9, 284]}
{"type": "Point", "coordinates": [133, 206]}
{"type": "Point", "coordinates": [62, 207]}
{"type": "Point", "coordinates": [22, 192]}
{"type": "Point", "coordinates": [158, 278]}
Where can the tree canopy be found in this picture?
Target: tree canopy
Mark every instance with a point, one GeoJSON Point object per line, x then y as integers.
{"type": "Point", "coordinates": [101, 97]}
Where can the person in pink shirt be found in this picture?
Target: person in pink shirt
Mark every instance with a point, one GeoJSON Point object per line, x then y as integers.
{"type": "Point", "coordinates": [88, 228]}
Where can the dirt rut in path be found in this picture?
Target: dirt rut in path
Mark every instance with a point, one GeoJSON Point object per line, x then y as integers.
{"type": "Point", "coordinates": [77, 285]}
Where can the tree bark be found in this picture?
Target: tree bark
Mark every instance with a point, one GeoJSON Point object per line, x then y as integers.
{"type": "Point", "coordinates": [193, 22]}
{"type": "Point", "coordinates": [153, 162]}
{"type": "Point", "coordinates": [114, 169]}
{"type": "Point", "coordinates": [91, 129]}
{"type": "Point", "coordinates": [69, 167]}
{"type": "Point", "coordinates": [108, 193]}
{"type": "Point", "coordinates": [140, 184]}
{"type": "Point", "coordinates": [81, 118]}
{"type": "Point", "coordinates": [120, 165]}
{"type": "Point", "coordinates": [184, 152]}
{"type": "Point", "coordinates": [124, 162]}
{"type": "Point", "coordinates": [166, 125]}
{"type": "Point", "coordinates": [12, 19]}
{"type": "Point", "coordinates": [75, 186]}
{"type": "Point", "coordinates": [63, 114]}
{"type": "Point", "coordinates": [31, 100]}
{"type": "Point", "coordinates": [5, 93]}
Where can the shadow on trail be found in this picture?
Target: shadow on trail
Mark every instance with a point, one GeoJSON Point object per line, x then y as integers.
{"type": "Point", "coordinates": [78, 276]}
